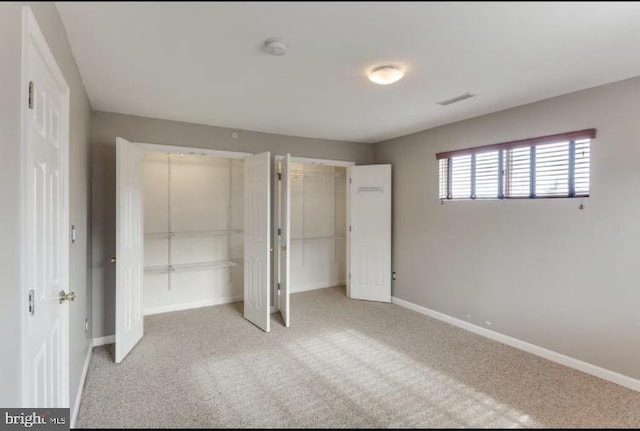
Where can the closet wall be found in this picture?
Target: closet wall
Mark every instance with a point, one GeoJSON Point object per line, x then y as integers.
{"type": "Point", "coordinates": [193, 231]}
{"type": "Point", "coordinates": [318, 226]}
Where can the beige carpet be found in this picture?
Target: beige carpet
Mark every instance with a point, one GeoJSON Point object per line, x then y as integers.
{"type": "Point", "coordinates": [342, 364]}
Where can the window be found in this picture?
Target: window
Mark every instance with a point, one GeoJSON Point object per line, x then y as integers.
{"type": "Point", "coordinates": [545, 167]}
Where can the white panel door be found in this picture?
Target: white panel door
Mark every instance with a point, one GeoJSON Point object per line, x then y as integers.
{"type": "Point", "coordinates": [45, 226]}
{"type": "Point", "coordinates": [284, 240]}
{"type": "Point", "coordinates": [129, 246]}
{"type": "Point", "coordinates": [370, 235]}
{"type": "Point", "coordinates": [257, 203]}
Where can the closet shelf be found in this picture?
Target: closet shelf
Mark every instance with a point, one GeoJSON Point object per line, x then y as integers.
{"type": "Point", "coordinates": [192, 234]}
{"type": "Point", "coordinates": [316, 238]}
{"type": "Point", "coordinates": [160, 269]}
{"type": "Point", "coordinates": [317, 174]}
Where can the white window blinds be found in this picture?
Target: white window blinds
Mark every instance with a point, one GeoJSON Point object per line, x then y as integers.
{"type": "Point", "coordinates": [545, 167]}
{"type": "Point", "coordinates": [487, 175]}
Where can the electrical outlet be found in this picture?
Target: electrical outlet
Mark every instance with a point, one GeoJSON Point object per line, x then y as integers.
{"type": "Point", "coordinates": [393, 276]}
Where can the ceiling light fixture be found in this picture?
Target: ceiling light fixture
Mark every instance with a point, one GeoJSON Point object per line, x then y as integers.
{"type": "Point", "coordinates": [275, 46]}
{"type": "Point", "coordinates": [385, 75]}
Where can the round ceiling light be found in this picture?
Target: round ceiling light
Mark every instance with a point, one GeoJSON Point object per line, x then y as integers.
{"type": "Point", "coordinates": [275, 46]}
{"type": "Point", "coordinates": [385, 75]}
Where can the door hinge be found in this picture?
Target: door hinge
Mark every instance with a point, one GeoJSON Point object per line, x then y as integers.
{"type": "Point", "coordinates": [279, 231]}
{"type": "Point", "coordinates": [349, 276]}
{"type": "Point", "coordinates": [349, 228]}
{"type": "Point", "coordinates": [278, 287]}
{"type": "Point", "coordinates": [279, 176]}
{"type": "Point", "coordinates": [32, 302]}
{"type": "Point", "coordinates": [349, 180]}
{"type": "Point", "coordinates": [30, 94]}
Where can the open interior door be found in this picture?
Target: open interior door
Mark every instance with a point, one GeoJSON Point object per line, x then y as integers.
{"type": "Point", "coordinates": [44, 237]}
{"type": "Point", "coordinates": [257, 203]}
{"type": "Point", "coordinates": [284, 239]}
{"type": "Point", "coordinates": [129, 246]}
{"type": "Point", "coordinates": [370, 233]}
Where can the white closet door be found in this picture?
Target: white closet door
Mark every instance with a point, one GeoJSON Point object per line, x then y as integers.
{"type": "Point", "coordinates": [370, 236]}
{"type": "Point", "coordinates": [45, 354]}
{"type": "Point", "coordinates": [257, 204]}
{"type": "Point", "coordinates": [129, 246]}
{"type": "Point", "coordinates": [285, 241]}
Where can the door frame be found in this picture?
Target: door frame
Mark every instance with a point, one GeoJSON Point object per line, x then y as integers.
{"type": "Point", "coordinates": [276, 220]}
{"type": "Point", "coordinates": [31, 30]}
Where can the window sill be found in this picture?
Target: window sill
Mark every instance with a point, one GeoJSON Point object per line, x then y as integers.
{"type": "Point", "coordinates": [513, 198]}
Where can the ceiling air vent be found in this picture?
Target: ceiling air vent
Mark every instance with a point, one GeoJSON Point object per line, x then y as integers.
{"type": "Point", "coordinates": [456, 99]}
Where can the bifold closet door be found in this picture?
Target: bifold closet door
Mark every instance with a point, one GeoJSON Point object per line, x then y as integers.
{"type": "Point", "coordinates": [129, 246]}
{"type": "Point", "coordinates": [257, 222]}
{"type": "Point", "coordinates": [370, 232]}
{"type": "Point", "coordinates": [284, 239]}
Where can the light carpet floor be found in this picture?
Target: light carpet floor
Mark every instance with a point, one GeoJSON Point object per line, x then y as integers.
{"type": "Point", "coordinates": [343, 363]}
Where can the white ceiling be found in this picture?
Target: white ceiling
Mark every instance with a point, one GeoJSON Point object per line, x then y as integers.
{"type": "Point", "coordinates": [203, 63]}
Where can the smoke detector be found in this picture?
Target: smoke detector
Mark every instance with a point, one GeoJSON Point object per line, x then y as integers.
{"type": "Point", "coordinates": [275, 46]}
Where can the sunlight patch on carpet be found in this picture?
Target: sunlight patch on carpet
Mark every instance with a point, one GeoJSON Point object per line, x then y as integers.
{"type": "Point", "coordinates": [344, 374]}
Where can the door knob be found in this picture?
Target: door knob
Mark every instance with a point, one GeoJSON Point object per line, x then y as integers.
{"type": "Point", "coordinates": [66, 296]}
{"type": "Point", "coordinates": [113, 260]}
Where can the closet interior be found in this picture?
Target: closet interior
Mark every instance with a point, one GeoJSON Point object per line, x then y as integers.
{"type": "Point", "coordinates": [193, 231]}
{"type": "Point", "coordinates": [318, 226]}
{"type": "Point", "coordinates": [197, 228]}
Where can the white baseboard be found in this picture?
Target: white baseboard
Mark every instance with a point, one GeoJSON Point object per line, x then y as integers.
{"type": "Point", "coordinates": [190, 305]}
{"type": "Point", "coordinates": [315, 286]}
{"type": "Point", "coordinates": [585, 367]}
{"type": "Point", "coordinates": [101, 341]}
{"type": "Point", "coordinates": [83, 378]}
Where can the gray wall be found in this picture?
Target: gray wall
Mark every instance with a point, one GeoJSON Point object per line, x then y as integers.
{"type": "Point", "coordinates": [10, 27]}
{"type": "Point", "coordinates": [106, 126]}
{"type": "Point", "coordinates": [542, 271]}
{"type": "Point", "coordinates": [79, 194]}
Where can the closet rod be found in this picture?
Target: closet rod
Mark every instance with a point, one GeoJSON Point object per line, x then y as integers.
{"type": "Point", "coordinates": [316, 238]}
{"type": "Point", "coordinates": [316, 174]}
{"type": "Point", "coordinates": [161, 269]}
{"type": "Point", "coordinates": [194, 233]}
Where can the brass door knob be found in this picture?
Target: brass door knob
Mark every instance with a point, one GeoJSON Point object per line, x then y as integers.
{"type": "Point", "coordinates": [66, 296]}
